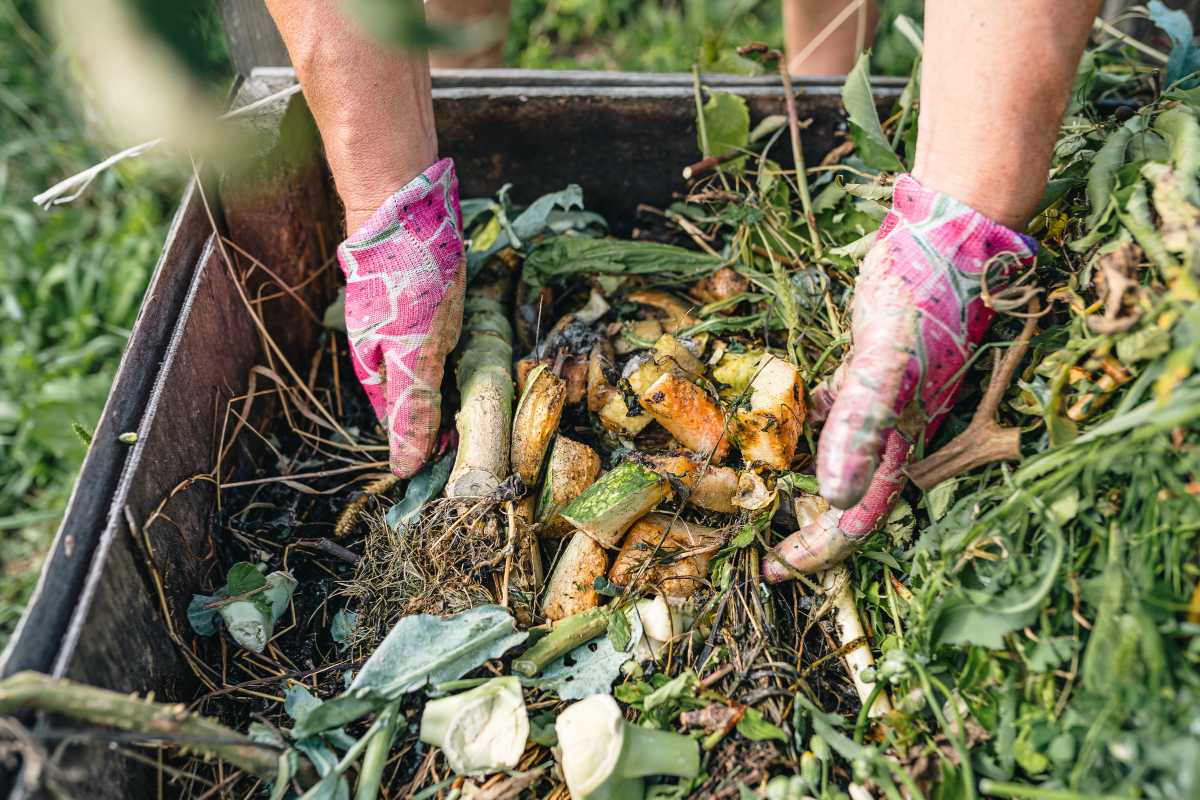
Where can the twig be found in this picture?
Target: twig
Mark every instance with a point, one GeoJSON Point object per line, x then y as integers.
{"type": "Point", "coordinates": [192, 732]}
{"type": "Point", "coordinates": [789, 97]}
{"type": "Point", "coordinates": [1103, 27]}
{"type": "Point", "coordinates": [985, 440]}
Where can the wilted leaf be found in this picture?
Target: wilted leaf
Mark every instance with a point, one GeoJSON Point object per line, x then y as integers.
{"type": "Point", "coordinates": [869, 141]}
{"type": "Point", "coordinates": [342, 627]}
{"type": "Point", "coordinates": [420, 649]}
{"type": "Point", "coordinates": [533, 220]}
{"type": "Point", "coordinates": [590, 668]}
{"type": "Point", "coordinates": [562, 258]}
{"type": "Point", "coordinates": [204, 620]}
{"type": "Point", "coordinates": [422, 487]}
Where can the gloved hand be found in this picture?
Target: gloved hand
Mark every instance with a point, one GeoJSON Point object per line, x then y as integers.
{"type": "Point", "coordinates": [405, 276]}
{"type": "Point", "coordinates": [918, 314]}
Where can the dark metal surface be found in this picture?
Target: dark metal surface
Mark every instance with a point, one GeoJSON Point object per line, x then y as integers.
{"type": "Point", "coordinates": [97, 615]}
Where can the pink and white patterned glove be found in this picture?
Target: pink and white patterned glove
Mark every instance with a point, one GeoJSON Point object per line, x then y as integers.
{"type": "Point", "coordinates": [405, 276]}
{"type": "Point", "coordinates": [918, 314]}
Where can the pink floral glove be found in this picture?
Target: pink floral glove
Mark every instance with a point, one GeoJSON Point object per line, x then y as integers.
{"type": "Point", "coordinates": [918, 315]}
{"type": "Point", "coordinates": [405, 277]}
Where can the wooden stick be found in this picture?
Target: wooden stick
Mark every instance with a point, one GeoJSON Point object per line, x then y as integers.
{"type": "Point", "coordinates": [985, 440]}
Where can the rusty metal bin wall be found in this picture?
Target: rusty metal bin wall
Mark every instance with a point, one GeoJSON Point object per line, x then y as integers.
{"type": "Point", "coordinates": [96, 613]}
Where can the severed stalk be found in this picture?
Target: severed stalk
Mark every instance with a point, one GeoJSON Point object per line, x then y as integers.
{"type": "Point", "coordinates": [484, 377]}
{"type": "Point", "coordinates": [170, 722]}
{"type": "Point", "coordinates": [985, 440]}
{"type": "Point", "coordinates": [836, 583]}
{"type": "Point", "coordinates": [571, 587]}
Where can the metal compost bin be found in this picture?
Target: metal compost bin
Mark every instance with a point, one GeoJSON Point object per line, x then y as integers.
{"type": "Point", "coordinates": [96, 615]}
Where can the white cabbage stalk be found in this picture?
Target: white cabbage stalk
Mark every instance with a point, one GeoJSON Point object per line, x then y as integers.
{"type": "Point", "coordinates": [661, 622]}
{"type": "Point", "coordinates": [480, 730]}
{"type": "Point", "coordinates": [247, 622]}
{"type": "Point", "coordinates": [603, 757]}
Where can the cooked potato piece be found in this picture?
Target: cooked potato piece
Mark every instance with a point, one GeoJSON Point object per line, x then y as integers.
{"type": "Point", "coordinates": [692, 417]}
{"type": "Point", "coordinates": [767, 433]}
{"type": "Point", "coordinates": [572, 468]}
{"type": "Point", "coordinates": [675, 554]}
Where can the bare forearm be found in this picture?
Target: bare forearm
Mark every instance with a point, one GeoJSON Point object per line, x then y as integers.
{"type": "Point", "coordinates": [994, 85]}
{"type": "Point", "coordinates": [372, 104]}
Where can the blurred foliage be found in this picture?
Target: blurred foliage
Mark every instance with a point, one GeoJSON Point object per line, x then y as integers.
{"type": "Point", "coordinates": [670, 36]}
{"type": "Point", "coordinates": [71, 281]}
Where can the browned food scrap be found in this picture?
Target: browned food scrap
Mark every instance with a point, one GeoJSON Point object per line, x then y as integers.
{"type": "Point", "coordinates": [572, 467]}
{"type": "Point", "coordinates": [724, 284]}
{"type": "Point", "coordinates": [536, 422]}
{"type": "Point", "coordinates": [674, 553]}
{"type": "Point", "coordinates": [767, 433]}
{"type": "Point", "coordinates": [687, 411]}
{"type": "Point", "coordinates": [571, 585]}
{"type": "Point", "coordinates": [712, 486]}
{"type": "Point", "coordinates": [676, 314]}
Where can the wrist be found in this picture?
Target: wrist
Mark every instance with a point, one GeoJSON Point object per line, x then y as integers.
{"type": "Point", "coordinates": [1006, 197]}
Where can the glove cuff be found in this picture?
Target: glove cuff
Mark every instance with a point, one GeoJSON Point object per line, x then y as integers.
{"type": "Point", "coordinates": [957, 232]}
{"type": "Point", "coordinates": [421, 222]}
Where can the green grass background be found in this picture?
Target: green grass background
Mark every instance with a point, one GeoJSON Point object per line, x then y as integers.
{"type": "Point", "coordinates": [71, 279]}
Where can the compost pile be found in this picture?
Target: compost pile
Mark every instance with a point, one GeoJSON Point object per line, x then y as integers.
{"type": "Point", "coordinates": [569, 600]}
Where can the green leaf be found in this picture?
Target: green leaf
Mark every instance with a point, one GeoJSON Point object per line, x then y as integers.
{"type": "Point", "coordinates": [869, 141]}
{"type": "Point", "coordinates": [541, 729]}
{"type": "Point", "coordinates": [422, 487]}
{"type": "Point", "coordinates": [682, 686]}
{"type": "Point", "coordinates": [1144, 344]}
{"type": "Point", "coordinates": [619, 630]}
{"type": "Point", "coordinates": [1102, 176]}
{"type": "Point", "coordinates": [1182, 130]}
{"type": "Point", "coordinates": [754, 727]}
{"type": "Point", "coordinates": [244, 577]}
{"type": "Point", "coordinates": [420, 649]}
{"type": "Point", "coordinates": [727, 125]}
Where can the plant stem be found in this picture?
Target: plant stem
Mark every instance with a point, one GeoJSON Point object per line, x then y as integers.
{"type": "Point", "coordinates": [646, 751]}
{"type": "Point", "coordinates": [128, 713]}
{"type": "Point", "coordinates": [1019, 790]}
{"type": "Point", "coordinates": [789, 97]}
{"type": "Point", "coordinates": [377, 754]}
{"type": "Point", "coordinates": [565, 637]}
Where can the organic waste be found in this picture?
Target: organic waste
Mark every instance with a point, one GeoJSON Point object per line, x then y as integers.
{"type": "Point", "coordinates": [571, 599]}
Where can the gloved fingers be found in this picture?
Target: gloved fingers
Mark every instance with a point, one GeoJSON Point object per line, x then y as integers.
{"type": "Point", "coordinates": [865, 407]}
{"type": "Point", "coordinates": [834, 535]}
{"type": "Point", "coordinates": [876, 503]}
{"type": "Point", "coordinates": [415, 368]}
{"type": "Point", "coordinates": [822, 398]}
